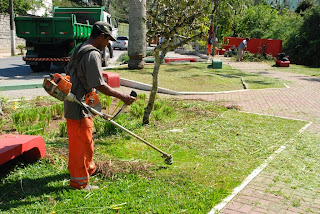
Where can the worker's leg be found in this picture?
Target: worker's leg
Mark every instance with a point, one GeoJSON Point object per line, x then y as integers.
{"type": "Point", "coordinates": [240, 53]}
{"type": "Point", "coordinates": [209, 48]}
{"type": "Point", "coordinates": [80, 151]}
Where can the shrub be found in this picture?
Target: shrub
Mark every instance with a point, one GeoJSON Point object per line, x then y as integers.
{"type": "Point", "coordinates": [303, 45]}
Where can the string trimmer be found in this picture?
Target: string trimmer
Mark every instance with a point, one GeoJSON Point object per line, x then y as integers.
{"type": "Point", "coordinates": [59, 87]}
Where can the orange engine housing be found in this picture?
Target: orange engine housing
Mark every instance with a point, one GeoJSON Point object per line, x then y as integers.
{"type": "Point", "coordinates": [63, 82]}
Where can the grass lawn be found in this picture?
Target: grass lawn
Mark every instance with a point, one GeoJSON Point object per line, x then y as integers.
{"type": "Point", "coordinates": [198, 77]}
{"type": "Point", "coordinates": [213, 149]}
{"type": "Point", "coordinates": [299, 69]}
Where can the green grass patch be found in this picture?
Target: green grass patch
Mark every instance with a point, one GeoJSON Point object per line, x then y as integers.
{"type": "Point", "coordinates": [197, 77]}
{"type": "Point", "coordinates": [213, 149]}
{"type": "Point", "coordinates": [300, 69]}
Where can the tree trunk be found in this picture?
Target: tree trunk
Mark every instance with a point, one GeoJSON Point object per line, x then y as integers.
{"type": "Point", "coordinates": [158, 59]}
{"type": "Point", "coordinates": [137, 34]}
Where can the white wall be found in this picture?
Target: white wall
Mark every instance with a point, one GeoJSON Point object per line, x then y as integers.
{"type": "Point", "coordinates": [46, 10]}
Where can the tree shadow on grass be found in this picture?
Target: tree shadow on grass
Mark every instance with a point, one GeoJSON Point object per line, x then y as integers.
{"type": "Point", "coordinates": [259, 82]}
{"type": "Point", "coordinates": [13, 193]}
{"type": "Point", "coordinates": [230, 72]}
{"type": "Point", "coordinates": [311, 79]}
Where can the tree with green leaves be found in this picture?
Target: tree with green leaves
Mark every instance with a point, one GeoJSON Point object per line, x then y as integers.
{"type": "Point", "coordinates": [177, 22]}
{"type": "Point", "coordinates": [19, 6]}
{"type": "Point", "coordinates": [224, 16]}
{"type": "Point", "coordinates": [256, 20]}
{"type": "Point", "coordinates": [303, 44]}
{"type": "Point", "coordinates": [120, 10]}
{"type": "Point", "coordinates": [68, 3]}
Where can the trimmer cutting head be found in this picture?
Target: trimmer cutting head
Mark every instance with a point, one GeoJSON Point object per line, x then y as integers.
{"type": "Point", "coordinates": [168, 159]}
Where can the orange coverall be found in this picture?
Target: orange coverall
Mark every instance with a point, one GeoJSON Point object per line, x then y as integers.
{"type": "Point", "coordinates": [80, 163]}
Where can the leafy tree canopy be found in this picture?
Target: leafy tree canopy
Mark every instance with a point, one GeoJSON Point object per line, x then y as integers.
{"type": "Point", "coordinates": [68, 3]}
{"type": "Point", "coordinates": [120, 10]}
{"type": "Point", "coordinates": [19, 6]}
{"type": "Point", "coordinates": [178, 22]}
{"type": "Point", "coordinates": [177, 19]}
{"type": "Point", "coordinates": [256, 20]}
{"type": "Point", "coordinates": [303, 44]}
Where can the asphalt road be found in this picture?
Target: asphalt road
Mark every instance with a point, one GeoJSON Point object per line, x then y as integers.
{"type": "Point", "coordinates": [14, 66]}
{"type": "Point", "coordinates": [14, 71]}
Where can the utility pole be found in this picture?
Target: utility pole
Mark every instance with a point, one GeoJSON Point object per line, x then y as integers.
{"type": "Point", "coordinates": [12, 31]}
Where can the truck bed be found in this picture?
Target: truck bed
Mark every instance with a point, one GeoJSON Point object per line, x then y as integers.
{"type": "Point", "coordinates": [44, 29]}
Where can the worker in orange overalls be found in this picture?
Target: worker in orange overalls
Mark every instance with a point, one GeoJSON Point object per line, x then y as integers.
{"type": "Point", "coordinates": [209, 42]}
{"type": "Point", "coordinates": [86, 76]}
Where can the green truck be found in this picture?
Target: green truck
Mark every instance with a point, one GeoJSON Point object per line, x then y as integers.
{"type": "Point", "coordinates": [51, 40]}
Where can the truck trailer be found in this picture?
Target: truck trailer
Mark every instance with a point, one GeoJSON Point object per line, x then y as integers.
{"type": "Point", "coordinates": [51, 40]}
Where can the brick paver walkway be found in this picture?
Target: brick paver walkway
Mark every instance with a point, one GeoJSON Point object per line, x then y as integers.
{"type": "Point", "coordinates": [300, 100]}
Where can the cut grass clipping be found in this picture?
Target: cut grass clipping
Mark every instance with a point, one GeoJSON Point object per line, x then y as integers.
{"type": "Point", "coordinates": [214, 150]}
{"type": "Point", "coordinates": [198, 77]}
{"type": "Point", "coordinates": [295, 173]}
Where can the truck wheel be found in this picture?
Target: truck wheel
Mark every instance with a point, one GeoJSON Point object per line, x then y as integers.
{"type": "Point", "coordinates": [105, 57]}
{"type": "Point", "coordinates": [42, 66]}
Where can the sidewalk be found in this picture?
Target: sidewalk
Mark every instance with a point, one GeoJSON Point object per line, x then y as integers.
{"type": "Point", "coordinates": [301, 100]}
{"type": "Point", "coordinates": [4, 53]}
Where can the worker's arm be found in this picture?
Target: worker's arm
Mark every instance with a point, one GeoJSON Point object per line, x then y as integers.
{"type": "Point", "coordinates": [107, 90]}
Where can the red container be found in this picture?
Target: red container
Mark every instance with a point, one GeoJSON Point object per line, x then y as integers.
{"type": "Point", "coordinates": [282, 63]}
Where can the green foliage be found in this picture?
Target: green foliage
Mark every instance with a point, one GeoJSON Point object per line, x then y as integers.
{"type": "Point", "coordinates": [161, 111]}
{"type": "Point", "coordinates": [19, 6]}
{"type": "Point", "coordinates": [258, 21]}
{"type": "Point", "coordinates": [286, 24]}
{"type": "Point", "coordinates": [21, 47]}
{"type": "Point", "coordinates": [63, 129]}
{"type": "Point", "coordinates": [257, 33]}
{"type": "Point", "coordinates": [120, 10]}
{"type": "Point", "coordinates": [123, 57]}
{"type": "Point", "coordinates": [68, 3]}
{"type": "Point", "coordinates": [227, 15]}
{"type": "Point", "coordinates": [172, 20]}
{"type": "Point", "coordinates": [303, 45]}
{"type": "Point", "coordinates": [260, 17]}
{"type": "Point", "coordinates": [257, 57]}
{"type": "Point", "coordinates": [35, 120]}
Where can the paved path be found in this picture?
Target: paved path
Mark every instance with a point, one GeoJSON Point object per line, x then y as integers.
{"type": "Point", "coordinates": [300, 100]}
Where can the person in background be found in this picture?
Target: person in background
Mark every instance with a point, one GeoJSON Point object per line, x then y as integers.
{"type": "Point", "coordinates": [209, 42]}
{"type": "Point", "coordinates": [243, 45]}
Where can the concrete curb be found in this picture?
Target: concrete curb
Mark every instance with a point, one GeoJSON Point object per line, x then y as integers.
{"type": "Point", "coordinates": [146, 87]}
